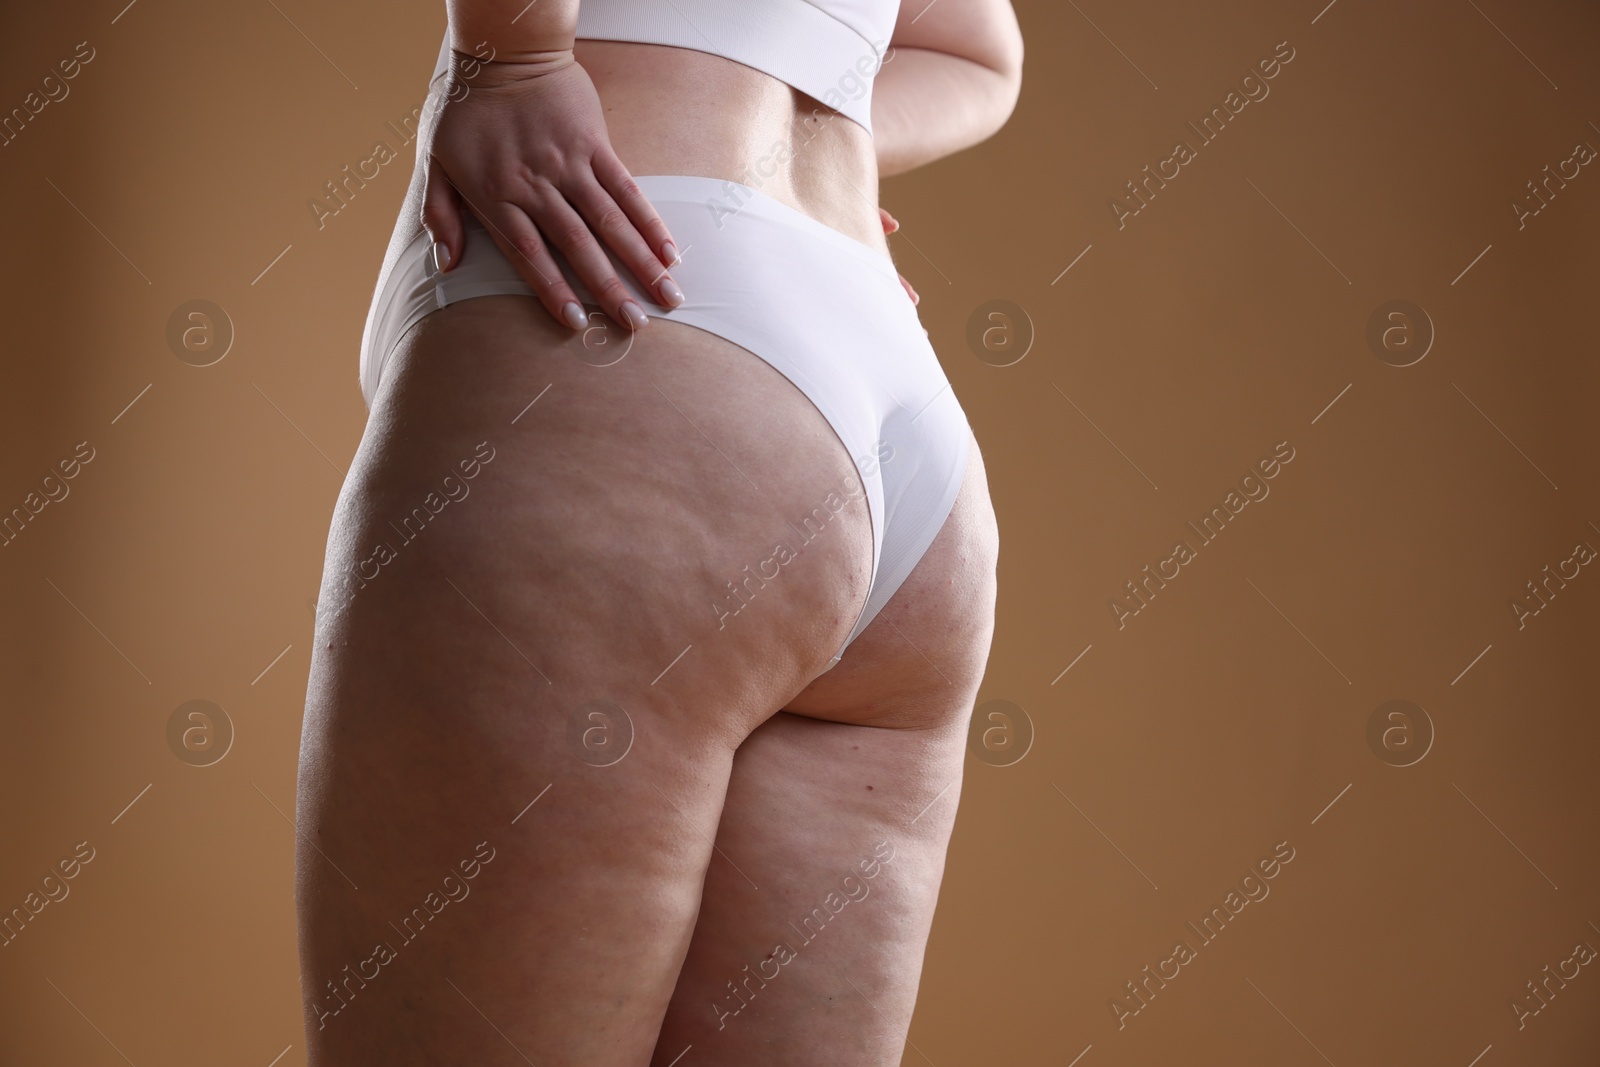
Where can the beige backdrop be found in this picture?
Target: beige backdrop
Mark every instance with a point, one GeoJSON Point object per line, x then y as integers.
{"type": "Point", "coordinates": [1333, 283]}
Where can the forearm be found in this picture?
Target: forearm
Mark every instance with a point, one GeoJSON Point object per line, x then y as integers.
{"type": "Point", "coordinates": [516, 30]}
{"type": "Point", "coordinates": [928, 104]}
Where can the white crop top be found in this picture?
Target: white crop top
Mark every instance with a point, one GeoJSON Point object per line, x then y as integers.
{"type": "Point", "coordinates": [828, 49]}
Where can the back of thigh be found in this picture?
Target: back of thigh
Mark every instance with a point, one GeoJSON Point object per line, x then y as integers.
{"type": "Point", "coordinates": [524, 700]}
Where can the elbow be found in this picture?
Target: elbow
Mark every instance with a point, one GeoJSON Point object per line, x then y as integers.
{"type": "Point", "coordinates": [992, 100]}
{"type": "Point", "coordinates": [1013, 71]}
{"type": "Point", "coordinates": [1010, 93]}
{"type": "Point", "coordinates": [1005, 94]}
{"type": "Point", "coordinates": [1008, 81]}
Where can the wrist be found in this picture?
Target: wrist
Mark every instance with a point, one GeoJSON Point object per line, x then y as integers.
{"type": "Point", "coordinates": [485, 67]}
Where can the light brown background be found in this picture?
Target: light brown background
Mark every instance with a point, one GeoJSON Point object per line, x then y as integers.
{"type": "Point", "coordinates": [1227, 717]}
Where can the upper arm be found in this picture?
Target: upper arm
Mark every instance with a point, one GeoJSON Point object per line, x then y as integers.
{"type": "Point", "coordinates": [983, 31]}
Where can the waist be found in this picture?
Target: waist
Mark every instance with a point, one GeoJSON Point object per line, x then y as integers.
{"type": "Point", "coordinates": [673, 110]}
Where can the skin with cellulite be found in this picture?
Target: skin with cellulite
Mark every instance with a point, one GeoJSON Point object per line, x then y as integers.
{"type": "Point", "coordinates": [634, 907]}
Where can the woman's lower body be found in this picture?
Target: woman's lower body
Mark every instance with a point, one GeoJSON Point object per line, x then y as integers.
{"type": "Point", "coordinates": [822, 309]}
{"type": "Point", "coordinates": [576, 784]}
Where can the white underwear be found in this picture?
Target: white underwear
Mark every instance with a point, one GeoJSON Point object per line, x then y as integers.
{"type": "Point", "coordinates": [823, 309]}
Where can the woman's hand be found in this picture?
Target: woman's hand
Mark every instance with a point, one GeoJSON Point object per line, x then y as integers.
{"type": "Point", "coordinates": [891, 224]}
{"type": "Point", "coordinates": [524, 147]}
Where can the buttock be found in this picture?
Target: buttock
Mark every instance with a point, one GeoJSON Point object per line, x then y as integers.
{"type": "Point", "coordinates": [823, 309]}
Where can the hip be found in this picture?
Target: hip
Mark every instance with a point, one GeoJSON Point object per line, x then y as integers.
{"type": "Point", "coordinates": [825, 309]}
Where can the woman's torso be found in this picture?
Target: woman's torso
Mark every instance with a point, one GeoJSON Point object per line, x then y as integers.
{"type": "Point", "coordinates": [679, 111]}
{"type": "Point", "coordinates": [672, 110]}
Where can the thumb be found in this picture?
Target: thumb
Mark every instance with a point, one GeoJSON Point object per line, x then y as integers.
{"type": "Point", "coordinates": [441, 217]}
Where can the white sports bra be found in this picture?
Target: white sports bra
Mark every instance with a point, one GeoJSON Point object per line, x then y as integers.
{"type": "Point", "coordinates": [828, 49]}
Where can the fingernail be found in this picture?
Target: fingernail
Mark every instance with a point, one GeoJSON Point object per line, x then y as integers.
{"type": "Point", "coordinates": [441, 256]}
{"type": "Point", "coordinates": [634, 315]}
{"type": "Point", "coordinates": [572, 311]}
{"type": "Point", "coordinates": [670, 290]}
{"type": "Point", "coordinates": [670, 251]}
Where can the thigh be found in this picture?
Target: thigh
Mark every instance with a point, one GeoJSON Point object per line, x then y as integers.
{"type": "Point", "coordinates": [840, 819]}
{"type": "Point", "coordinates": [522, 709]}
{"type": "Point", "coordinates": [810, 954]}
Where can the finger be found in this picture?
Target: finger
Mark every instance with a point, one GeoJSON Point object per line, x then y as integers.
{"type": "Point", "coordinates": [890, 223]}
{"type": "Point", "coordinates": [912, 293]}
{"type": "Point", "coordinates": [612, 226]}
{"type": "Point", "coordinates": [566, 230]}
{"type": "Point", "coordinates": [441, 217]}
{"type": "Point", "coordinates": [617, 182]}
{"type": "Point", "coordinates": [525, 249]}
